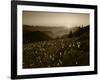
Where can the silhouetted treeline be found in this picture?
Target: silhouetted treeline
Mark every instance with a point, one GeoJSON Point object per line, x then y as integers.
{"type": "Point", "coordinates": [81, 31]}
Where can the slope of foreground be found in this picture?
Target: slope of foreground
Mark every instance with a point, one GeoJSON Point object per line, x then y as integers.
{"type": "Point", "coordinates": [71, 50]}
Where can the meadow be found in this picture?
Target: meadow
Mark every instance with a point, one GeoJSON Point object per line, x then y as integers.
{"type": "Point", "coordinates": [69, 50]}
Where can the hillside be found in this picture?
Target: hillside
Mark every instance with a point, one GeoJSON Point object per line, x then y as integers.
{"type": "Point", "coordinates": [35, 36]}
{"type": "Point", "coordinates": [48, 33]}
{"type": "Point", "coordinates": [70, 50]}
{"type": "Point", "coordinates": [51, 31]}
{"type": "Point", "coordinates": [80, 32]}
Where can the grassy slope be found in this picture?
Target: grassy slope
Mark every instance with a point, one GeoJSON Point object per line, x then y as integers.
{"type": "Point", "coordinates": [67, 51]}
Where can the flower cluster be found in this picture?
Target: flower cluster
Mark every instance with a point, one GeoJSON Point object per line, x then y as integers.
{"type": "Point", "coordinates": [53, 53]}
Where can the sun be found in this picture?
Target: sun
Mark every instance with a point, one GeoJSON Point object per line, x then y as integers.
{"type": "Point", "coordinates": [69, 26]}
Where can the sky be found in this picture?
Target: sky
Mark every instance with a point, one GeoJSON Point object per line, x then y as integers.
{"type": "Point", "coordinates": [55, 19]}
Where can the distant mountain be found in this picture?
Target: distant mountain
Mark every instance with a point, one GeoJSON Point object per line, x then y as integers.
{"type": "Point", "coordinates": [52, 31]}
{"type": "Point", "coordinates": [42, 28]}
{"type": "Point", "coordinates": [34, 34]}
{"type": "Point", "coordinates": [50, 34]}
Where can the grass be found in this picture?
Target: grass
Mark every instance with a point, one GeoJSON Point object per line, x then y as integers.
{"type": "Point", "coordinates": [56, 53]}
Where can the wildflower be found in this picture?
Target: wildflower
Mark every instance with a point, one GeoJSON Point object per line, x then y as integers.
{"type": "Point", "coordinates": [60, 61]}
{"type": "Point", "coordinates": [50, 57]}
{"type": "Point", "coordinates": [73, 45]}
{"type": "Point", "coordinates": [60, 53]}
{"type": "Point", "coordinates": [78, 44]}
{"type": "Point", "coordinates": [32, 64]}
{"type": "Point", "coordinates": [48, 65]}
{"type": "Point", "coordinates": [58, 64]}
{"type": "Point", "coordinates": [76, 62]}
{"type": "Point", "coordinates": [70, 45]}
{"type": "Point", "coordinates": [40, 61]}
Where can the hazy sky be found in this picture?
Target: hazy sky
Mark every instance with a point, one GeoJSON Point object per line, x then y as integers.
{"type": "Point", "coordinates": [55, 19]}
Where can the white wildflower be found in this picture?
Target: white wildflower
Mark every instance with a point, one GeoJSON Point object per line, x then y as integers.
{"type": "Point", "coordinates": [76, 62]}
{"type": "Point", "coordinates": [60, 61]}
{"type": "Point", "coordinates": [58, 64]}
{"type": "Point", "coordinates": [70, 45]}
